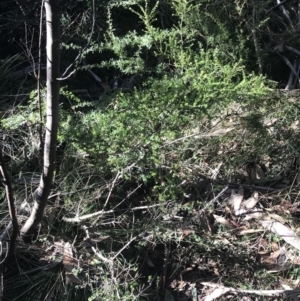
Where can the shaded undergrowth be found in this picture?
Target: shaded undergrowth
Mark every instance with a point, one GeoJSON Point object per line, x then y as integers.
{"type": "Point", "coordinates": [114, 237]}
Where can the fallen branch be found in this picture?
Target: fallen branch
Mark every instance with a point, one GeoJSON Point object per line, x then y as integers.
{"type": "Point", "coordinates": [220, 290]}
{"type": "Point", "coordinates": [97, 253]}
{"type": "Point", "coordinates": [87, 216]}
{"type": "Point", "coordinates": [78, 219]}
{"type": "Point", "coordinates": [126, 245]}
{"type": "Point", "coordinates": [111, 188]}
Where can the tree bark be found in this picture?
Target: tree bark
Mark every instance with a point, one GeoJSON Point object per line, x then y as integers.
{"type": "Point", "coordinates": [53, 73]}
{"type": "Point", "coordinates": [11, 205]}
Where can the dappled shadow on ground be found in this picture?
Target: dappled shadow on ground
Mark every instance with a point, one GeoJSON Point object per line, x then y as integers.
{"type": "Point", "coordinates": [222, 223]}
{"type": "Point", "coordinates": [235, 232]}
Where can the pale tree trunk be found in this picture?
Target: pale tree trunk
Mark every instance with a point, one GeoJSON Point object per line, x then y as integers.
{"type": "Point", "coordinates": [53, 73]}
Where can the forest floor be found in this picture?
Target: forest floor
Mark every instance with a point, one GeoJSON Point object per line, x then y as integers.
{"type": "Point", "coordinates": [234, 234]}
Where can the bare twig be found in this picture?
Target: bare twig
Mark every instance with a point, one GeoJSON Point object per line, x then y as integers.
{"type": "Point", "coordinates": [27, 50]}
{"type": "Point", "coordinates": [124, 247]}
{"type": "Point", "coordinates": [96, 252]}
{"type": "Point", "coordinates": [215, 198]}
{"type": "Point", "coordinates": [286, 14]}
{"type": "Point", "coordinates": [64, 75]}
{"type": "Point", "coordinates": [276, 6]}
{"type": "Point", "coordinates": [111, 188]}
{"type": "Point", "coordinates": [78, 219]}
{"type": "Point", "coordinates": [98, 80]}
{"type": "Point", "coordinates": [292, 49]}
{"type": "Point", "coordinates": [87, 216]}
{"type": "Point", "coordinates": [129, 194]}
{"type": "Point", "coordinates": [216, 171]}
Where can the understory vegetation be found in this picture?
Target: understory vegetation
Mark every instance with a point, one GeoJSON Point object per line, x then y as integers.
{"type": "Point", "coordinates": [177, 171]}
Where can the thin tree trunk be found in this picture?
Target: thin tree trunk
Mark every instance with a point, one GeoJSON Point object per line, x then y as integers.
{"type": "Point", "coordinates": [53, 73]}
{"type": "Point", "coordinates": [11, 205]}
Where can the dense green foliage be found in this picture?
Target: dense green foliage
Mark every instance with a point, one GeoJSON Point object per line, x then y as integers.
{"type": "Point", "coordinates": [189, 80]}
{"type": "Point", "coordinates": [186, 104]}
